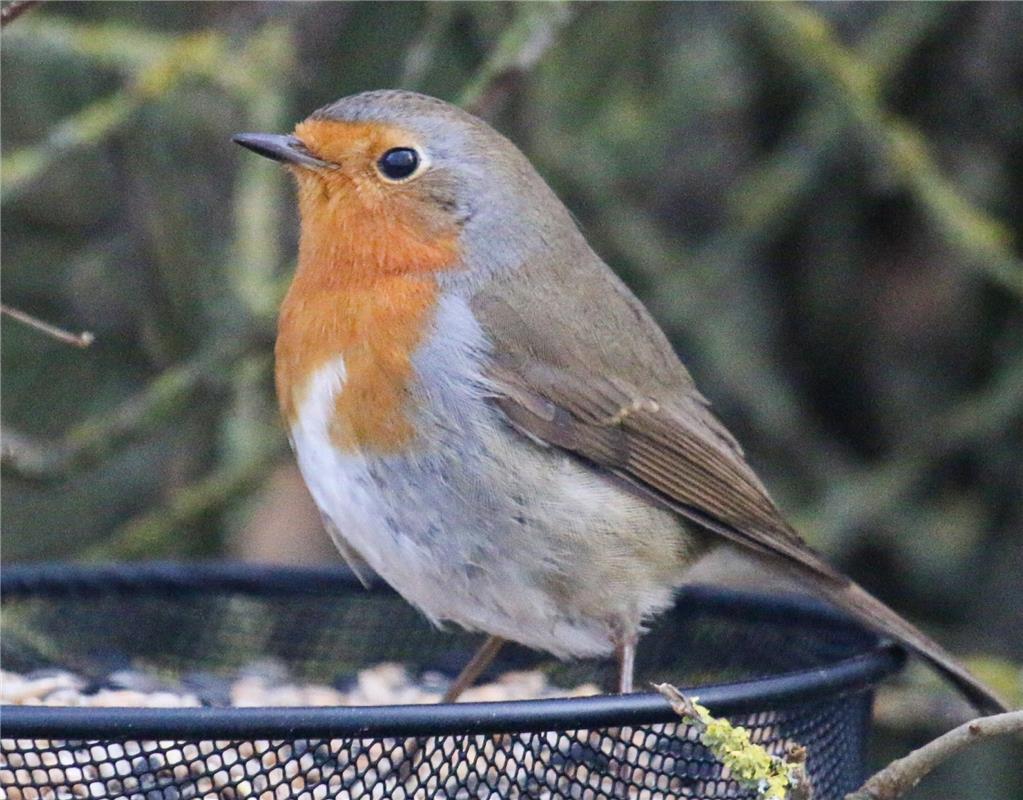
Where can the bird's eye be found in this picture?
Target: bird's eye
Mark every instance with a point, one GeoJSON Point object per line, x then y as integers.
{"type": "Point", "coordinates": [398, 163]}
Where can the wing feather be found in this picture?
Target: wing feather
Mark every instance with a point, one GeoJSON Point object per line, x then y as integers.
{"type": "Point", "coordinates": [647, 442]}
{"type": "Point", "coordinates": [583, 367]}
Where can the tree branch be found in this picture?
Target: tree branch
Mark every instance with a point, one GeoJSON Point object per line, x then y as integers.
{"type": "Point", "coordinates": [149, 533]}
{"type": "Point", "coordinates": [95, 438]}
{"type": "Point", "coordinates": [750, 764]}
{"type": "Point", "coordinates": [83, 339]}
{"type": "Point", "coordinates": [192, 54]}
{"type": "Point", "coordinates": [15, 9]}
{"type": "Point", "coordinates": [765, 197]}
{"type": "Point", "coordinates": [420, 55]}
{"type": "Point", "coordinates": [804, 38]}
{"type": "Point", "coordinates": [521, 45]}
{"type": "Point", "coordinates": [864, 494]}
{"type": "Point", "coordinates": [902, 775]}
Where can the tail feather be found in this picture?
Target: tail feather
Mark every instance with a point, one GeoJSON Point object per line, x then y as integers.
{"type": "Point", "coordinates": [816, 576]}
{"type": "Point", "coordinates": [876, 615]}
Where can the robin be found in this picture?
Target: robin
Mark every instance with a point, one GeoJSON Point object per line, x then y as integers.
{"type": "Point", "coordinates": [483, 412]}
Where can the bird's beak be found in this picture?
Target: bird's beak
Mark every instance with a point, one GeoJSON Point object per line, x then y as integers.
{"type": "Point", "coordinates": [280, 147]}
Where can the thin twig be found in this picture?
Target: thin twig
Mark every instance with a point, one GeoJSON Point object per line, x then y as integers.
{"type": "Point", "coordinates": [83, 339]}
{"type": "Point", "coordinates": [15, 9]}
{"type": "Point", "coordinates": [805, 38]}
{"type": "Point", "coordinates": [97, 437]}
{"type": "Point", "coordinates": [871, 492]}
{"type": "Point", "coordinates": [196, 54]}
{"type": "Point", "coordinates": [749, 763]}
{"type": "Point", "coordinates": [258, 192]}
{"type": "Point", "coordinates": [421, 54]}
{"type": "Point", "coordinates": [767, 195]}
{"type": "Point", "coordinates": [151, 532]}
{"type": "Point", "coordinates": [155, 65]}
{"type": "Point", "coordinates": [522, 44]}
{"type": "Point", "coordinates": [902, 775]}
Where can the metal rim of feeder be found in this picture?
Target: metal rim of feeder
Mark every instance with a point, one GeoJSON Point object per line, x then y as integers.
{"type": "Point", "coordinates": [848, 675]}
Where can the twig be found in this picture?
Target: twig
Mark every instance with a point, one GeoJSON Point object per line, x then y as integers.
{"type": "Point", "coordinates": [110, 44]}
{"type": "Point", "coordinates": [521, 45]}
{"type": "Point", "coordinates": [95, 438]}
{"type": "Point", "coordinates": [774, 778]}
{"type": "Point", "coordinates": [869, 492]}
{"type": "Point", "coordinates": [259, 193]}
{"type": "Point", "coordinates": [154, 64]}
{"type": "Point", "coordinates": [764, 198]}
{"type": "Point", "coordinates": [15, 9]}
{"type": "Point", "coordinates": [902, 775]}
{"type": "Point", "coordinates": [149, 533]}
{"type": "Point", "coordinates": [83, 339]}
{"type": "Point", "coordinates": [421, 53]}
{"type": "Point", "coordinates": [804, 37]}
{"type": "Point", "coordinates": [190, 55]}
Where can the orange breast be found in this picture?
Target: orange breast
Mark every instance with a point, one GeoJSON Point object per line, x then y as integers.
{"type": "Point", "coordinates": [365, 290]}
{"type": "Point", "coordinates": [375, 329]}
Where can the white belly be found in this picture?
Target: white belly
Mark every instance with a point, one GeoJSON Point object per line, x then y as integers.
{"type": "Point", "coordinates": [476, 526]}
{"type": "Point", "coordinates": [346, 493]}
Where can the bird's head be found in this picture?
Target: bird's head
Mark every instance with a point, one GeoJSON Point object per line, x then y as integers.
{"type": "Point", "coordinates": [394, 181]}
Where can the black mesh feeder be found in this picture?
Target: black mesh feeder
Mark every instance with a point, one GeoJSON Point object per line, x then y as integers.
{"type": "Point", "coordinates": [788, 669]}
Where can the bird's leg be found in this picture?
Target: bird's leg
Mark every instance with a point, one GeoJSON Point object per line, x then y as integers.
{"type": "Point", "coordinates": [625, 654]}
{"type": "Point", "coordinates": [479, 662]}
{"type": "Point", "coordinates": [482, 659]}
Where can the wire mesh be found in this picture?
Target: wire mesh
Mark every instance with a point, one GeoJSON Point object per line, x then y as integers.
{"type": "Point", "coordinates": [789, 670]}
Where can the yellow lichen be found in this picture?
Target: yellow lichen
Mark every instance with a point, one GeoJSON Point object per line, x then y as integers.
{"type": "Point", "coordinates": [774, 778]}
{"type": "Point", "coordinates": [747, 762]}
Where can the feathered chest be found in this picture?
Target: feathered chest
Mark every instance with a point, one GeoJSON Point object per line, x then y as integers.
{"type": "Point", "coordinates": [368, 336]}
{"type": "Point", "coordinates": [364, 296]}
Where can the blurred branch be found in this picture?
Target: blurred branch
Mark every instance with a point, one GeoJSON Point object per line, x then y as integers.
{"type": "Point", "coordinates": [109, 44]}
{"type": "Point", "coordinates": [902, 775]}
{"type": "Point", "coordinates": [804, 38]}
{"type": "Point", "coordinates": [156, 64]}
{"type": "Point", "coordinates": [83, 339]}
{"type": "Point", "coordinates": [190, 55]}
{"type": "Point", "coordinates": [421, 53]}
{"type": "Point", "coordinates": [521, 45]}
{"type": "Point", "coordinates": [869, 492]}
{"type": "Point", "coordinates": [259, 193]}
{"type": "Point", "coordinates": [921, 700]}
{"type": "Point", "coordinates": [96, 438]}
{"type": "Point", "coordinates": [764, 199]}
{"type": "Point", "coordinates": [148, 534]}
{"type": "Point", "coordinates": [15, 9]}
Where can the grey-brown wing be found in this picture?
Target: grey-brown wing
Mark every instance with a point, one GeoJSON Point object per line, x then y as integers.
{"type": "Point", "coordinates": [582, 366]}
{"type": "Point", "coordinates": [671, 448]}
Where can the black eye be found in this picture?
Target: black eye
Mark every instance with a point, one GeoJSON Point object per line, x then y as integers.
{"type": "Point", "coordinates": [398, 163]}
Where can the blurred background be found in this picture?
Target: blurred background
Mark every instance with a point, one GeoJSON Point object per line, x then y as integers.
{"type": "Point", "coordinates": [820, 203]}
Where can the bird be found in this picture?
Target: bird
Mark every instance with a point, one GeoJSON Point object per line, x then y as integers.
{"type": "Point", "coordinates": [487, 417]}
